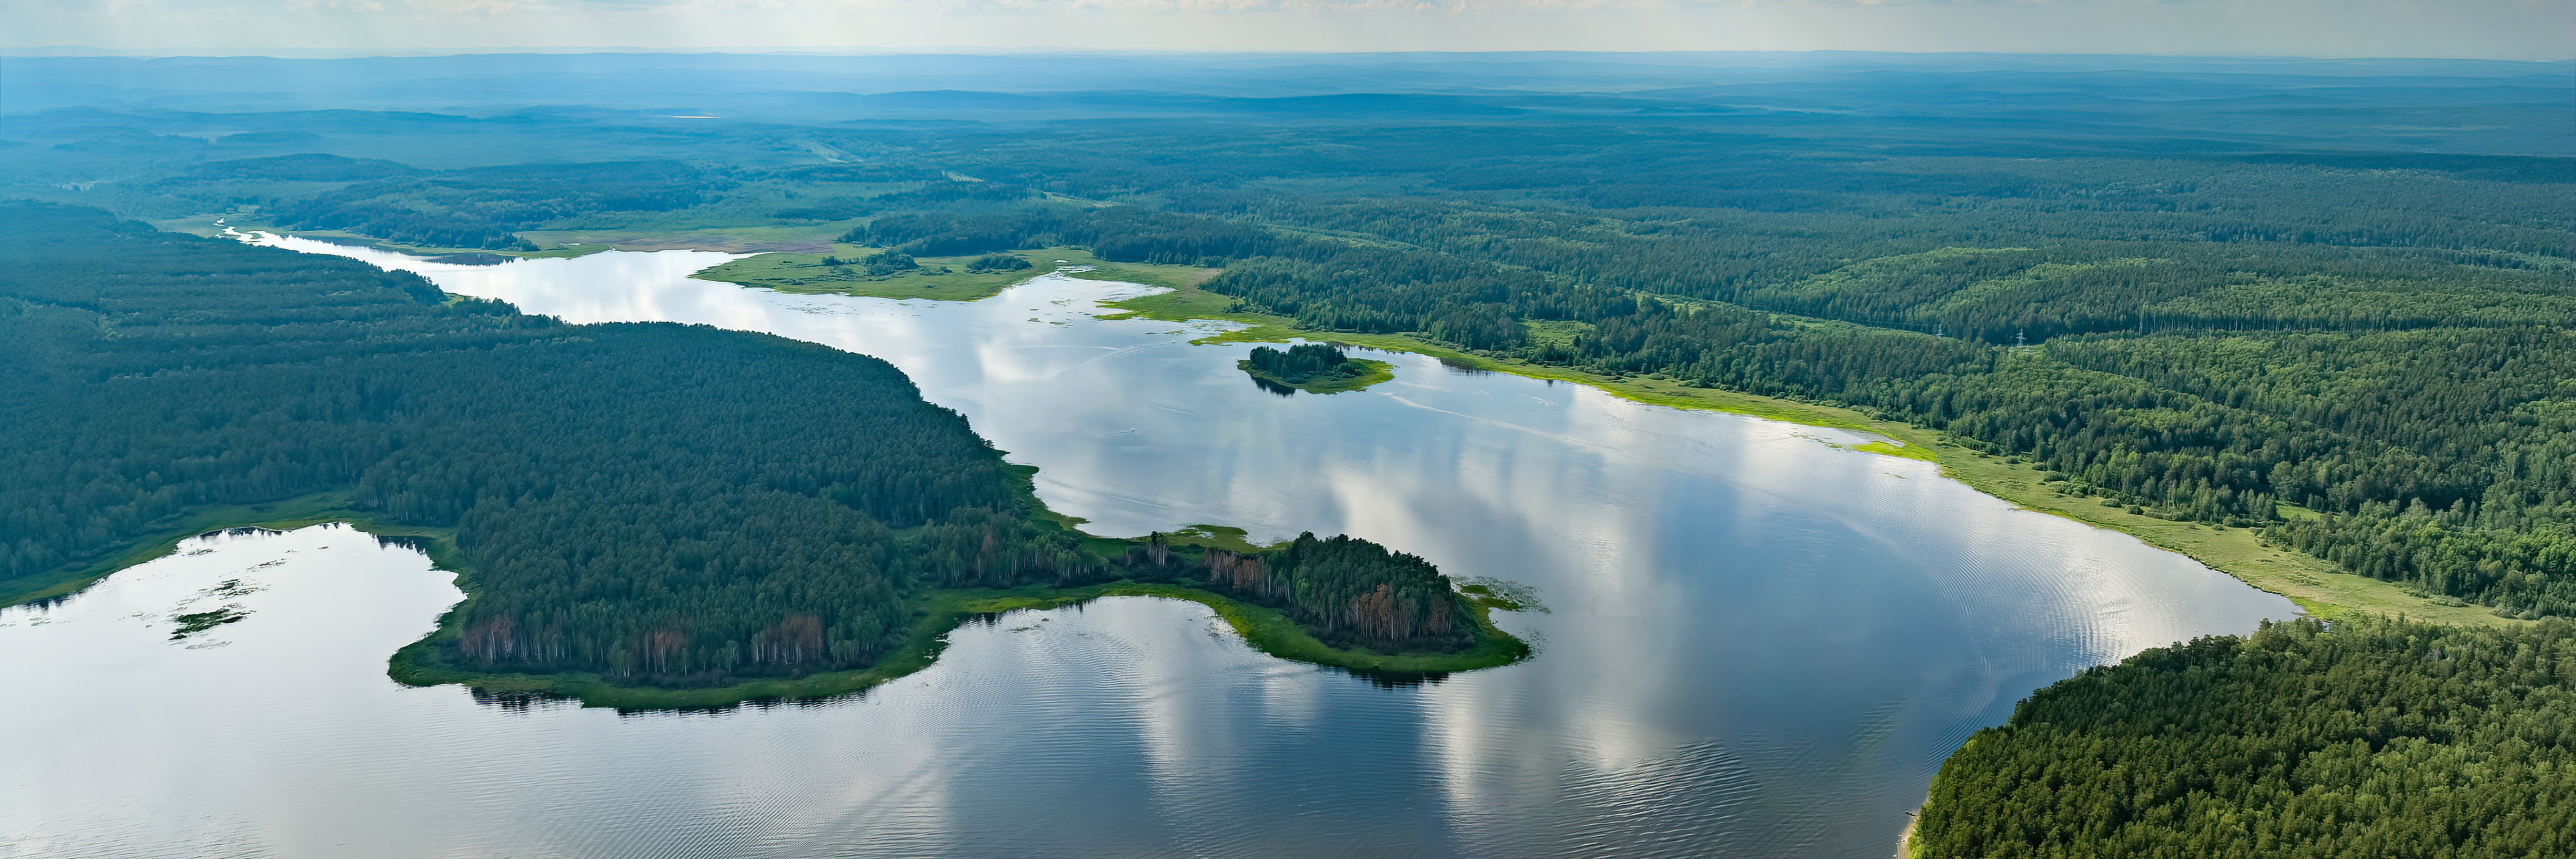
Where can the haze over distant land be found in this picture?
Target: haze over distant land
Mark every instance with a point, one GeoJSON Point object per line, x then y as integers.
{"type": "Point", "coordinates": [2489, 29]}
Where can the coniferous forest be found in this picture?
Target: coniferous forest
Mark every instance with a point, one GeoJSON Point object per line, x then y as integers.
{"type": "Point", "coordinates": [2361, 354]}
{"type": "Point", "coordinates": [2408, 395]}
{"type": "Point", "coordinates": [658, 504]}
{"type": "Point", "coordinates": [1352, 590]}
{"type": "Point", "coordinates": [2371, 737]}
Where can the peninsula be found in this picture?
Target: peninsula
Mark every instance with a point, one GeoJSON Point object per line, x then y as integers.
{"type": "Point", "coordinates": [836, 527]}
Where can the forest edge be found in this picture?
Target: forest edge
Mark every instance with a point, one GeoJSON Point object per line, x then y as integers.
{"type": "Point", "coordinates": [2316, 585]}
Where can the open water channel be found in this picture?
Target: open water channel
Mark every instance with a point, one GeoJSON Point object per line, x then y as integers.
{"type": "Point", "coordinates": [1757, 644]}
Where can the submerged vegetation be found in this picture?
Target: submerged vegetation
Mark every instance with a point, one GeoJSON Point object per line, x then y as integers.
{"type": "Point", "coordinates": [944, 278]}
{"type": "Point", "coordinates": [195, 622]}
{"type": "Point", "coordinates": [637, 505]}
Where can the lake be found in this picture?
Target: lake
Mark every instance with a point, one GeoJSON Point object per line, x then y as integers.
{"type": "Point", "coordinates": [1756, 643]}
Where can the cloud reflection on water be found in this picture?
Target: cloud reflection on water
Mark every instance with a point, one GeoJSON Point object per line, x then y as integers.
{"type": "Point", "coordinates": [1760, 644]}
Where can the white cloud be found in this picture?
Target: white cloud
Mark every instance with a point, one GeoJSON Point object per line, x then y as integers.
{"type": "Point", "coordinates": [2518, 29]}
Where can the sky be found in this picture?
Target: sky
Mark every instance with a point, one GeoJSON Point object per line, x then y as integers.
{"type": "Point", "coordinates": [2494, 29]}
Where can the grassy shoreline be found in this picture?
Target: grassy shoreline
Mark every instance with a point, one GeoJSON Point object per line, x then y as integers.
{"type": "Point", "coordinates": [2317, 586]}
{"type": "Point", "coordinates": [207, 225]}
{"type": "Point", "coordinates": [936, 278]}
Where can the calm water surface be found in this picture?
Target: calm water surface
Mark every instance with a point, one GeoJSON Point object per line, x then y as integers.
{"type": "Point", "coordinates": [1758, 644]}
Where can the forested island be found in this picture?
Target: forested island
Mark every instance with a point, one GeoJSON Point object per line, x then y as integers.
{"type": "Point", "coordinates": [641, 514]}
{"type": "Point", "coordinates": [1316, 368]}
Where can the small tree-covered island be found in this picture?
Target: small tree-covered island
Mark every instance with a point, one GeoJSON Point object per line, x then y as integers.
{"type": "Point", "coordinates": [1316, 368]}
{"type": "Point", "coordinates": [641, 515]}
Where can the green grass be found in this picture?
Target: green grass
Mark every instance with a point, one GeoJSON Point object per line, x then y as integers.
{"type": "Point", "coordinates": [204, 225]}
{"type": "Point", "coordinates": [1176, 277]}
{"type": "Point", "coordinates": [1378, 371]}
{"type": "Point", "coordinates": [348, 238]}
{"type": "Point", "coordinates": [817, 238]}
{"type": "Point", "coordinates": [1561, 333]}
{"type": "Point", "coordinates": [1214, 537]}
{"type": "Point", "coordinates": [2316, 585]}
{"type": "Point", "coordinates": [727, 238]}
{"type": "Point", "coordinates": [1182, 305]}
{"type": "Point", "coordinates": [1889, 449]}
{"type": "Point", "coordinates": [806, 273]}
{"type": "Point", "coordinates": [1188, 302]}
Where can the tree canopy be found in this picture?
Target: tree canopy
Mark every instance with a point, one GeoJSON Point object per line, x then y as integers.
{"type": "Point", "coordinates": [657, 504]}
{"type": "Point", "coordinates": [2367, 738]}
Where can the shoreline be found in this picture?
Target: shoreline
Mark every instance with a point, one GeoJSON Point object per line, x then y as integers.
{"type": "Point", "coordinates": [2317, 586]}
{"type": "Point", "coordinates": [935, 278]}
{"type": "Point", "coordinates": [302, 511]}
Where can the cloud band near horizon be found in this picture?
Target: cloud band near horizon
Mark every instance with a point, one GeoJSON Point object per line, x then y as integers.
{"type": "Point", "coordinates": [2494, 29]}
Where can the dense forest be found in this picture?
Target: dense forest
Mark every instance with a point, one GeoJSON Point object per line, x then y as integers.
{"type": "Point", "coordinates": [2363, 354]}
{"type": "Point", "coordinates": [2368, 363]}
{"type": "Point", "coordinates": [2338, 306]}
{"type": "Point", "coordinates": [2335, 303]}
{"type": "Point", "coordinates": [660, 504]}
{"type": "Point", "coordinates": [2375, 738]}
{"type": "Point", "coordinates": [2418, 401]}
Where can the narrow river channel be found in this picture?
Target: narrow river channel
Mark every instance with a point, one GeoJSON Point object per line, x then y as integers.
{"type": "Point", "coordinates": [1756, 643]}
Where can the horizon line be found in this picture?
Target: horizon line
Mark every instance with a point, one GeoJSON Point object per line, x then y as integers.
{"type": "Point", "coordinates": [91, 52]}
